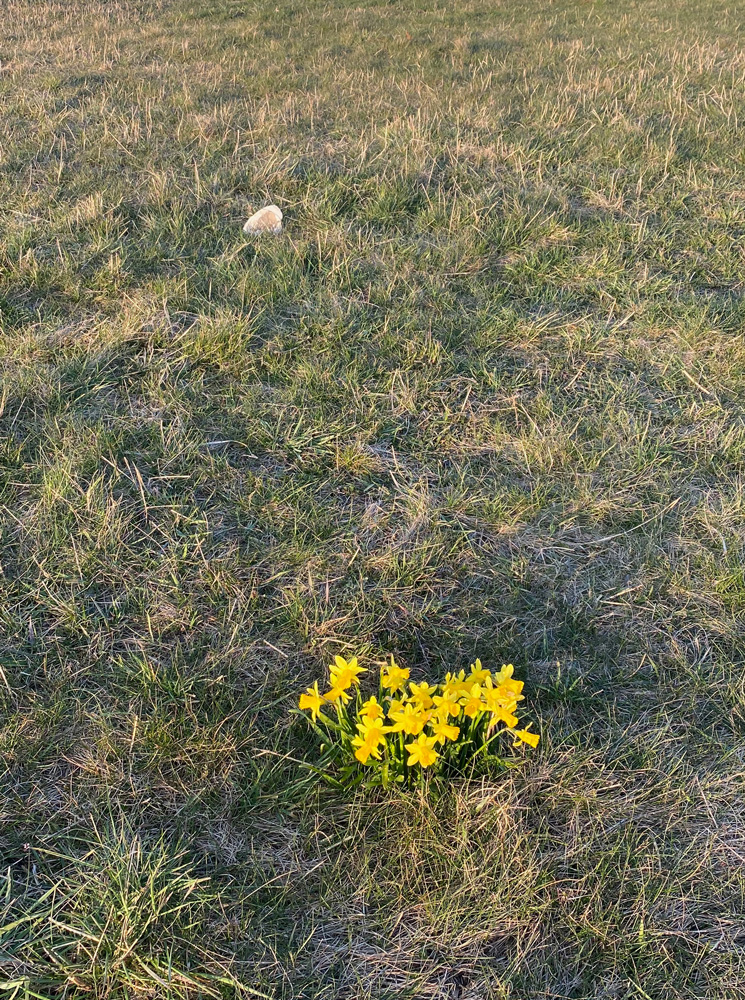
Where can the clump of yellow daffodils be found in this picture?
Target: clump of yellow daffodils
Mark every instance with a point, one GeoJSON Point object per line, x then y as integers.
{"type": "Point", "coordinates": [406, 728]}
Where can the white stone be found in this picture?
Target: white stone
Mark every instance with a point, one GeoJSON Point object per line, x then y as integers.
{"type": "Point", "coordinates": [266, 220]}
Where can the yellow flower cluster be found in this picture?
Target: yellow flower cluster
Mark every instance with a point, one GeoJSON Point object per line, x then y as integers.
{"type": "Point", "coordinates": [415, 722]}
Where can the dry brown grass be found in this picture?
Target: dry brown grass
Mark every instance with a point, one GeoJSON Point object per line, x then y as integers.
{"type": "Point", "coordinates": [483, 397]}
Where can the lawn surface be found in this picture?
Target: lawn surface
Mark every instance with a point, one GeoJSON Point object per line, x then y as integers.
{"type": "Point", "coordinates": [484, 396]}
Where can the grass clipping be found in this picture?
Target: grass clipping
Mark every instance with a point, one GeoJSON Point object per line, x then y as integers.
{"type": "Point", "coordinates": [407, 728]}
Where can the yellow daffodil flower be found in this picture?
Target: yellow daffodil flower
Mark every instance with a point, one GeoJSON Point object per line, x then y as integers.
{"type": "Point", "coordinates": [447, 703]}
{"type": "Point", "coordinates": [527, 737]}
{"type": "Point", "coordinates": [504, 715]}
{"type": "Point", "coordinates": [504, 682]}
{"type": "Point", "coordinates": [395, 707]}
{"type": "Point", "coordinates": [456, 685]}
{"type": "Point", "coordinates": [472, 703]}
{"type": "Point", "coordinates": [365, 749]}
{"type": "Point", "coordinates": [336, 694]}
{"type": "Point", "coordinates": [421, 694]}
{"type": "Point", "coordinates": [368, 742]}
{"type": "Point", "coordinates": [373, 729]}
{"type": "Point", "coordinates": [478, 674]}
{"type": "Point", "coordinates": [422, 751]}
{"type": "Point", "coordinates": [502, 696]}
{"type": "Point", "coordinates": [311, 700]}
{"type": "Point", "coordinates": [492, 696]}
{"type": "Point", "coordinates": [410, 720]}
{"type": "Point", "coordinates": [372, 709]}
{"type": "Point", "coordinates": [345, 673]}
{"type": "Point", "coordinates": [372, 725]}
{"type": "Point", "coordinates": [513, 688]}
{"type": "Point", "coordinates": [394, 677]}
{"type": "Point", "coordinates": [442, 730]}
{"type": "Point", "coordinates": [504, 674]}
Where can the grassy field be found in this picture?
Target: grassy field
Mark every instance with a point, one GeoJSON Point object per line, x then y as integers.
{"type": "Point", "coordinates": [484, 396]}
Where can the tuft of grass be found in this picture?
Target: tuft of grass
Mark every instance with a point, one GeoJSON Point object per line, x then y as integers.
{"type": "Point", "coordinates": [117, 920]}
